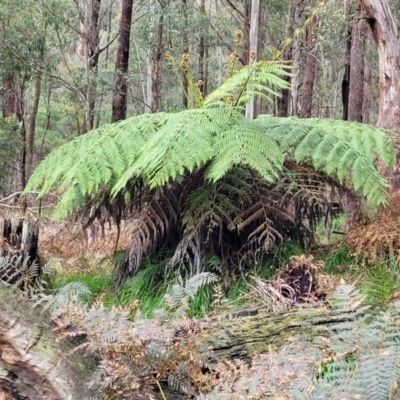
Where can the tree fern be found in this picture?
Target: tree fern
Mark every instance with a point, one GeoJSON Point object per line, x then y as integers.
{"type": "Point", "coordinates": [181, 172]}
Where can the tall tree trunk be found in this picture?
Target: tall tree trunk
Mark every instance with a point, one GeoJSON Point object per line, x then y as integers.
{"type": "Point", "coordinates": [310, 67]}
{"type": "Point", "coordinates": [10, 101]}
{"type": "Point", "coordinates": [254, 18]}
{"type": "Point", "coordinates": [13, 106]}
{"type": "Point", "coordinates": [156, 74]}
{"type": "Point", "coordinates": [357, 68]}
{"type": "Point", "coordinates": [202, 50]}
{"type": "Point", "coordinates": [346, 77]}
{"type": "Point", "coordinates": [94, 47]}
{"type": "Point", "coordinates": [366, 94]}
{"type": "Point", "coordinates": [30, 140]}
{"type": "Point", "coordinates": [384, 31]}
{"type": "Point", "coordinates": [120, 92]}
{"type": "Point", "coordinates": [149, 62]}
{"type": "Point", "coordinates": [185, 58]}
{"type": "Point", "coordinates": [244, 59]}
{"type": "Point", "coordinates": [295, 81]}
{"type": "Point", "coordinates": [283, 101]}
{"type": "Point", "coordinates": [106, 60]}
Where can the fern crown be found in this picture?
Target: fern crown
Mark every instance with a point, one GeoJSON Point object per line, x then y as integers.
{"type": "Point", "coordinates": [159, 148]}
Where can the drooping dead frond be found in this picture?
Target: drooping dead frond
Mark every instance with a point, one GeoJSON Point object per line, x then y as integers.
{"type": "Point", "coordinates": [262, 216]}
{"type": "Point", "coordinates": [157, 211]}
{"type": "Point", "coordinates": [380, 237]}
{"type": "Point", "coordinates": [312, 196]}
{"type": "Point", "coordinates": [189, 253]}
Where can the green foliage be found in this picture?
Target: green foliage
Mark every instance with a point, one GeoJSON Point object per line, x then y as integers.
{"type": "Point", "coordinates": [338, 148]}
{"type": "Point", "coordinates": [96, 281]}
{"type": "Point", "coordinates": [159, 147]}
{"type": "Point", "coordinates": [260, 76]}
{"type": "Point", "coordinates": [381, 282]}
{"type": "Point", "coordinates": [23, 274]}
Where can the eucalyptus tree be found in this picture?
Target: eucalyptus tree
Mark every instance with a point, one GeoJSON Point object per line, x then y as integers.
{"type": "Point", "coordinates": [385, 34]}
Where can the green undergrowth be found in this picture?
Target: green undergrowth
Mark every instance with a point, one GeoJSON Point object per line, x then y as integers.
{"type": "Point", "coordinates": [379, 283]}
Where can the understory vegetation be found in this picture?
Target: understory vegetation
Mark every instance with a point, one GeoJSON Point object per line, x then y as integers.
{"type": "Point", "coordinates": [149, 334]}
{"type": "Point", "coordinates": [227, 214]}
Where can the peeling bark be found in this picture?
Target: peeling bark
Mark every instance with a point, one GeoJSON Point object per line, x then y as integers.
{"type": "Point", "coordinates": [385, 34]}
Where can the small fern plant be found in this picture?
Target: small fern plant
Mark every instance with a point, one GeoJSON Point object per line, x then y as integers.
{"type": "Point", "coordinates": [209, 175]}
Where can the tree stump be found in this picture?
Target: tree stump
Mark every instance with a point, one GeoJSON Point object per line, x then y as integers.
{"type": "Point", "coordinates": [18, 247]}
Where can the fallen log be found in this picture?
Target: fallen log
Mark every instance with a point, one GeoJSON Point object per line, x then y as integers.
{"type": "Point", "coordinates": [33, 365]}
{"type": "Point", "coordinates": [256, 331]}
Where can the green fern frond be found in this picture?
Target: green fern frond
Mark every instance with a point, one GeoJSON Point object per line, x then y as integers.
{"type": "Point", "coordinates": [337, 147]}
{"type": "Point", "coordinates": [184, 142]}
{"type": "Point", "coordinates": [210, 204]}
{"type": "Point", "coordinates": [261, 76]}
{"type": "Point", "coordinates": [245, 143]}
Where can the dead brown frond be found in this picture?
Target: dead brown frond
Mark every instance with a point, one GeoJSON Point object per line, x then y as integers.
{"type": "Point", "coordinates": [374, 239]}
{"type": "Point", "coordinates": [273, 375]}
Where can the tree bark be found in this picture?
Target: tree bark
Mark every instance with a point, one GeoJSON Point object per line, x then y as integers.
{"type": "Point", "coordinates": [283, 101]}
{"type": "Point", "coordinates": [295, 81]}
{"type": "Point", "coordinates": [33, 366]}
{"type": "Point", "coordinates": [346, 77]}
{"type": "Point", "coordinates": [30, 140]}
{"type": "Point", "coordinates": [366, 94]}
{"type": "Point", "coordinates": [156, 74]}
{"type": "Point", "coordinates": [247, 333]}
{"type": "Point", "coordinates": [254, 19]}
{"type": "Point", "coordinates": [202, 50]}
{"type": "Point", "coordinates": [355, 109]}
{"type": "Point", "coordinates": [384, 31]}
{"type": "Point", "coordinates": [120, 92]}
{"type": "Point", "coordinates": [244, 59]}
{"type": "Point", "coordinates": [310, 69]}
{"type": "Point", "coordinates": [185, 58]}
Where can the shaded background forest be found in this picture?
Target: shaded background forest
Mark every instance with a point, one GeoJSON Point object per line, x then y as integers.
{"type": "Point", "coordinates": [69, 66]}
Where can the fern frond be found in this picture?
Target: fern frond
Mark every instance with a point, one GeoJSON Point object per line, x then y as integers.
{"type": "Point", "coordinates": [266, 208]}
{"type": "Point", "coordinates": [246, 143]}
{"type": "Point", "coordinates": [261, 76]}
{"type": "Point", "coordinates": [90, 162]}
{"type": "Point", "coordinates": [184, 142]}
{"type": "Point", "coordinates": [212, 204]}
{"type": "Point", "coordinates": [337, 148]}
{"type": "Point", "coordinates": [156, 211]}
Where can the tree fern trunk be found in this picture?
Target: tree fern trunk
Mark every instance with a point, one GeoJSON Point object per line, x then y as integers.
{"type": "Point", "coordinates": [18, 238]}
